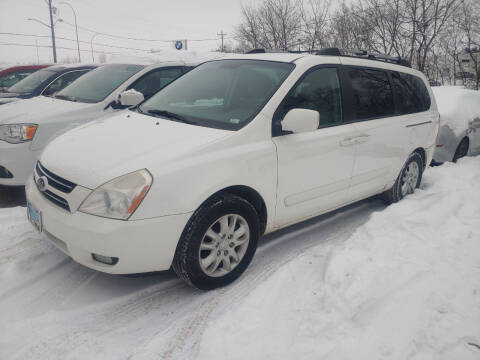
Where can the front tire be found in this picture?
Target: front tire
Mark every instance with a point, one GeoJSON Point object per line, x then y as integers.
{"type": "Point", "coordinates": [218, 242]}
{"type": "Point", "coordinates": [408, 180]}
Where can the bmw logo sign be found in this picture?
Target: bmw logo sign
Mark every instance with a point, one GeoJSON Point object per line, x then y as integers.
{"type": "Point", "coordinates": [42, 183]}
{"type": "Point", "coordinates": [178, 45]}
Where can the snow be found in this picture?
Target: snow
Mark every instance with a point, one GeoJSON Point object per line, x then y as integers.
{"type": "Point", "coordinates": [457, 106]}
{"type": "Point", "coordinates": [366, 282]}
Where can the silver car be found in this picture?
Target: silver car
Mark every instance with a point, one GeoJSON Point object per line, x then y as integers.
{"type": "Point", "coordinates": [459, 132]}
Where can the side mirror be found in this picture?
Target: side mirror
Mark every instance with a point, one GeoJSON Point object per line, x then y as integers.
{"type": "Point", "coordinates": [130, 98]}
{"type": "Point", "coordinates": [301, 120]}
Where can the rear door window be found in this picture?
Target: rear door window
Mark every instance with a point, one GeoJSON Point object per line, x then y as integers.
{"type": "Point", "coordinates": [372, 93]}
{"type": "Point", "coordinates": [411, 92]}
{"type": "Point", "coordinates": [156, 80]}
{"type": "Point", "coordinates": [319, 90]}
{"type": "Point", "coordinates": [62, 81]}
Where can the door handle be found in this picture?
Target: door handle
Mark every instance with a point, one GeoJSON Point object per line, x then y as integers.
{"type": "Point", "coordinates": [348, 142]}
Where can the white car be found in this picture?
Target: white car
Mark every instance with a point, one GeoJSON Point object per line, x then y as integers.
{"type": "Point", "coordinates": [234, 149]}
{"type": "Point", "coordinates": [27, 126]}
{"type": "Point", "coordinates": [459, 132]}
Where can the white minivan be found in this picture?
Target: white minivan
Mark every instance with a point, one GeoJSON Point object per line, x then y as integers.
{"type": "Point", "coordinates": [27, 126]}
{"type": "Point", "coordinates": [232, 150]}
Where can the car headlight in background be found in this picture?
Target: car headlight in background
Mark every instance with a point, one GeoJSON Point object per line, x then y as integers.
{"type": "Point", "coordinates": [120, 197]}
{"type": "Point", "coordinates": [17, 133]}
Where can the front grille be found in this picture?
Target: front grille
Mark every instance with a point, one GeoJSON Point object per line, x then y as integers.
{"type": "Point", "coordinates": [55, 181]}
{"type": "Point", "coordinates": [5, 174]}
{"type": "Point", "coordinates": [56, 199]}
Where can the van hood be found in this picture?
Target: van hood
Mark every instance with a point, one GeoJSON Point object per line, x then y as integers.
{"type": "Point", "coordinates": [99, 151]}
{"type": "Point", "coordinates": [38, 110]}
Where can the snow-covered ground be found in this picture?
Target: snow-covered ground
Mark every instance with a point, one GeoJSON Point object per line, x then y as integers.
{"type": "Point", "coordinates": [367, 282]}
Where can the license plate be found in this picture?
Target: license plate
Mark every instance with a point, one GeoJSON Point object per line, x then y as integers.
{"type": "Point", "coordinates": [35, 217]}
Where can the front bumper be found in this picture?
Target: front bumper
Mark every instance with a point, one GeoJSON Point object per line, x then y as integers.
{"type": "Point", "coordinates": [19, 160]}
{"type": "Point", "coordinates": [140, 245]}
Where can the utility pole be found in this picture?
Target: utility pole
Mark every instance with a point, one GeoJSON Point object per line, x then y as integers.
{"type": "Point", "coordinates": [53, 31]}
{"type": "Point", "coordinates": [222, 35]}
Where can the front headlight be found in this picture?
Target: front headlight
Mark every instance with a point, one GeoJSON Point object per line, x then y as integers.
{"type": "Point", "coordinates": [17, 133]}
{"type": "Point", "coordinates": [119, 198]}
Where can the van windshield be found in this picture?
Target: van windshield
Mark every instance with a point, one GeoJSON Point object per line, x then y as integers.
{"type": "Point", "coordinates": [223, 94]}
{"type": "Point", "coordinates": [97, 84]}
{"type": "Point", "coordinates": [31, 82]}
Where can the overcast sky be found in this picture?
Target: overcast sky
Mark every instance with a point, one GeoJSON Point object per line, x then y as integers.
{"type": "Point", "coordinates": [152, 19]}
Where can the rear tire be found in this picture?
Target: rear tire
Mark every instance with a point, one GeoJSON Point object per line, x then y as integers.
{"type": "Point", "coordinates": [218, 243]}
{"type": "Point", "coordinates": [407, 181]}
{"type": "Point", "coordinates": [462, 149]}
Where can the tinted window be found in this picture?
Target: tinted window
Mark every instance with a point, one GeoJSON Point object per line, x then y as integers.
{"type": "Point", "coordinates": [411, 92]}
{"type": "Point", "coordinates": [62, 81]}
{"type": "Point", "coordinates": [31, 82]}
{"type": "Point", "coordinates": [155, 80]}
{"type": "Point", "coordinates": [372, 93]}
{"type": "Point", "coordinates": [12, 78]}
{"type": "Point", "coordinates": [319, 90]}
{"type": "Point", "coordinates": [224, 94]}
{"type": "Point", "coordinates": [97, 84]}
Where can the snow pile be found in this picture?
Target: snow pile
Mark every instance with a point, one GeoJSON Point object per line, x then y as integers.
{"type": "Point", "coordinates": [367, 282]}
{"type": "Point", "coordinates": [405, 285]}
{"type": "Point", "coordinates": [457, 106]}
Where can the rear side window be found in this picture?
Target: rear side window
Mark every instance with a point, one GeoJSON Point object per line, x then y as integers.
{"type": "Point", "coordinates": [372, 93]}
{"type": "Point", "coordinates": [62, 81]}
{"type": "Point", "coordinates": [156, 80]}
{"type": "Point", "coordinates": [411, 92]}
{"type": "Point", "coordinates": [320, 91]}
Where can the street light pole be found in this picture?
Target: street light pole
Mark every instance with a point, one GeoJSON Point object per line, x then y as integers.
{"type": "Point", "coordinates": [53, 31]}
{"type": "Point", "coordinates": [76, 27]}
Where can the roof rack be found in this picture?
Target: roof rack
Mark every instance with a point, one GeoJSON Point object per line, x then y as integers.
{"type": "Point", "coordinates": [333, 51]}
{"type": "Point", "coordinates": [364, 54]}
{"type": "Point", "coordinates": [264, 51]}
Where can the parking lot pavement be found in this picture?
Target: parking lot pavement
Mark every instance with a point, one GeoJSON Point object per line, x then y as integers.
{"type": "Point", "coordinates": [12, 196]}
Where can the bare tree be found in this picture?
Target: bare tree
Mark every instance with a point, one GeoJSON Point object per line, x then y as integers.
{"type": "Point", "coordinates": [470, 24]}
{"type": "Point", "coordinates": [426, 19]}
{"type": "Point", "coordinates": [315, 27]}
{"type": "Point", "coordinates": [275, 24]}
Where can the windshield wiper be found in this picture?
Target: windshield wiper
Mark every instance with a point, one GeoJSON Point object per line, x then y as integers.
{"type": "Point", "coordinates": [65, 97]}
{"type": "Point", "coordinates": [169, 115]}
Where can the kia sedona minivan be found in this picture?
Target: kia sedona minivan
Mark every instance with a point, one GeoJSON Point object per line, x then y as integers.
{"type": "Point", "coordinates": [232, 150]}
{"type": "Point", "coordinates": [27, 126]}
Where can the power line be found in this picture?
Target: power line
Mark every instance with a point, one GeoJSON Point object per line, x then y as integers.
{"type": "Point", "coordinates": [136, 39]}
{"type": "Point", "coordinates": [59, 47]}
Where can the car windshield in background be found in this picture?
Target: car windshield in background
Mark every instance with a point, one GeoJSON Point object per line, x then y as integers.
{"type": "Point", "coordinates": [224, 94]}
{"type": "Point", "coordinates": [96, 85]}
{"type": "Point", "coordinates": [31, 82]}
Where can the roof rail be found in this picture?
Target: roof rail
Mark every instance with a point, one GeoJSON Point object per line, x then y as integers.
{"type": "Point", "coordinates": [333, 51]}
{"type": "Point", "coordinates": [364, 54]}
{"type": "Point", "coordinates": [264, 51]}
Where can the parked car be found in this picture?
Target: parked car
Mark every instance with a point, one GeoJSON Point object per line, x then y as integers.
{"type": "Point", "coordinates": [27, 126]}
{"type": "Point", "coordinates": [234, 149]}
{"type": "Point", "coordinates": [459, 133]}
{"type": "Point", "coordinates": [10, 76]}
{"type": "Point", "coordinates": [44, 82]}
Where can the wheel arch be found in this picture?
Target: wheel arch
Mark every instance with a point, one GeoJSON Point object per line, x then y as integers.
{"type": "Point", "coordinates": [252, 196]}
{"type": "Point", "coordinates": [421, 151]}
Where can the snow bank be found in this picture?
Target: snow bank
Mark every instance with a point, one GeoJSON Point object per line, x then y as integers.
{"type": "Point", "coordinates": [367, 282]}
{"type": "Point", "coordinates": [457, 106]}
{"type": "Point", "coordinates": [405, 285]}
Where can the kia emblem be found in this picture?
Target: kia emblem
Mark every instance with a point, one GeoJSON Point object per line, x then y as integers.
{"type": "Point", "coordinates": [42, 183]}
